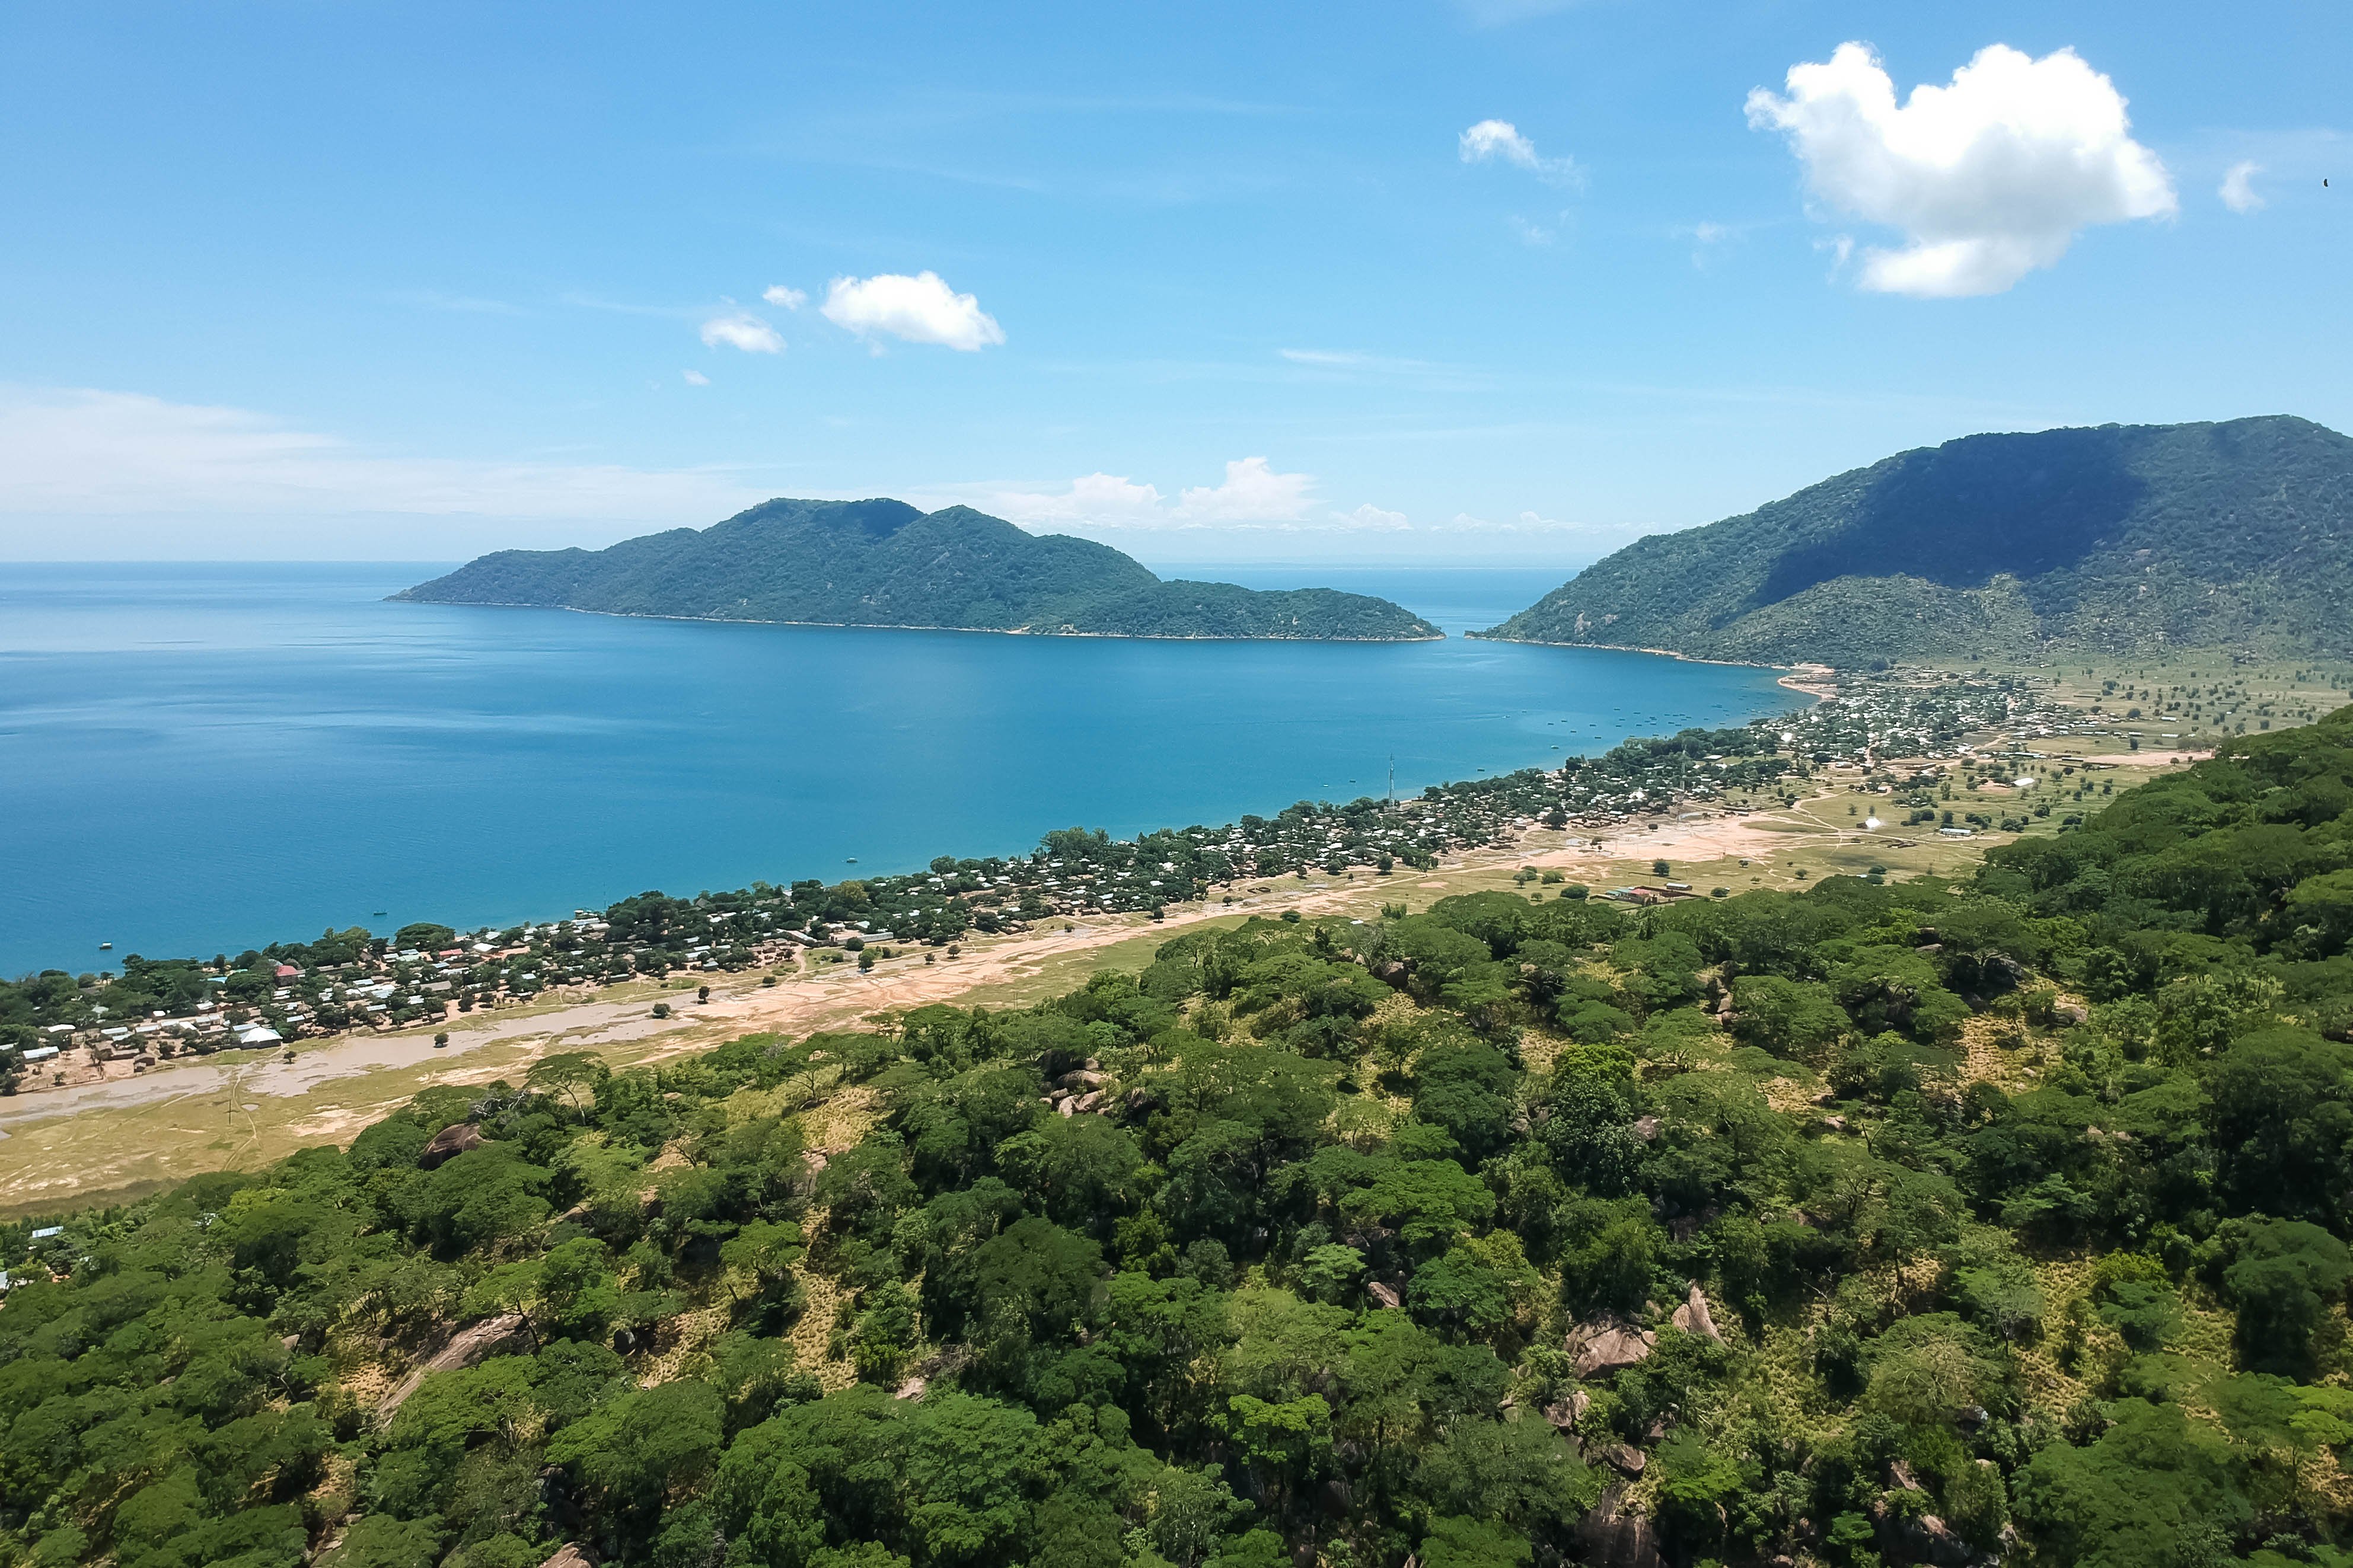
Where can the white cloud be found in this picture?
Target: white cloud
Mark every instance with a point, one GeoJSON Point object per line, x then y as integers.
{"type": "Point", "coordinates": [1532, 233]}
{"type": "Point", "coordinates": [695, 378]}
{"type": "Point", "coordinates": [1500, 139]}
{"type": "Point", "coordinates": [1254, 498]}
{"type": "Point", "coordinates": [1253, 492]}
{"type": "Point", "coordinates": [788, 298]}
{"type": "Point", "coordinates": [743, 331]}
{"type": "Point", "coordinates": [2238, 192]}
{"type": "Point", "coordinates": [85, 453]}
{"type": "Point", "coordinates": [921, 309]}
{"type": "Point", "coordinates": [1988, 178]}
{"type": "Point", "coordinates": [1111, 501]}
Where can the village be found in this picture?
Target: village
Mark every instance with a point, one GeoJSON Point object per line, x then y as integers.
{"type": "Point", "coordinates": [1927, 751]}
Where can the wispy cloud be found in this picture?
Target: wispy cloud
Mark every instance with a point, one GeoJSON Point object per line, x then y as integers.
{"type": "Point", "coordinates": [743, 330]}
{"type": "Point", "coordinates": [2238, 192]}
{"type": "Point", "coordinates": [1499, 140]}
{"type": "Point", "coordinates": [83, 452]}
{"type": "Point", "coordinates": [1345, 365]}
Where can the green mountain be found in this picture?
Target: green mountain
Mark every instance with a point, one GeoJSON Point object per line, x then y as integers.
{"type": "Point", "coordinates": [884, 563]}
{"type": "Point", "coordinates": [2119, 539]}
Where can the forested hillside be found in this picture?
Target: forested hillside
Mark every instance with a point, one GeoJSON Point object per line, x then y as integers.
{"type": "Point", "coordinates": [2122, 539]}
{"type": "Point", "coordinates": [884, 563]}
{"type": "Point", "coordinates": [1917, 1222]}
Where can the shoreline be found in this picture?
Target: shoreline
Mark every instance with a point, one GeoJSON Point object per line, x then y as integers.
{"type": "Point", "coordinates": [123, 1136]}
{"type": "Point", "coordinates": [403, 598]}
{"type": "Point", "coordinates": [1542, 761]}
{"type": "Point", "coordinates": [1661, 652]}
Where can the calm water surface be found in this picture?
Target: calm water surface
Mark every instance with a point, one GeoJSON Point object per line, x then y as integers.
{"type": "Point", "coordinates": [196, 758]}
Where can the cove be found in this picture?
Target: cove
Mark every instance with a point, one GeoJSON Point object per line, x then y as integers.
{"type": "Point", "coordinates": [203, 758]}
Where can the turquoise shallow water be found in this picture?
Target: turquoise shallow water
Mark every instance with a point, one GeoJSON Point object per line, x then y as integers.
{"type": "Point", "coordinates": [196, 758]}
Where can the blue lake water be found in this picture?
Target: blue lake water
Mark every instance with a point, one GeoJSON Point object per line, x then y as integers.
{"type": "Point", "coordinates": [197, 758]}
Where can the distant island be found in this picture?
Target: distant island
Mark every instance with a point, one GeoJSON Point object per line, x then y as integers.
{"type": "Point", "coordinates": [2118, 540]}
{"type": "Point", "coordinates": [885, 564]}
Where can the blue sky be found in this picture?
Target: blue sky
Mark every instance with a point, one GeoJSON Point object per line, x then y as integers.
{"type": "Point", "coordinates": [416, 281]}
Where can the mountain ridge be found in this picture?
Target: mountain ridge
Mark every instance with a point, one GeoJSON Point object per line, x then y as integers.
{"type": "Point", "coordinates": [2116, 537]}
{"type": "Point", "coordinates": [883, 564]}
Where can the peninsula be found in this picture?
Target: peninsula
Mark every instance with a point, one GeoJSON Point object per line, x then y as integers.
{"type": "Point", "coordinates": [2122, 540]}
{"type": "Point", "coordinates": [885, 564]}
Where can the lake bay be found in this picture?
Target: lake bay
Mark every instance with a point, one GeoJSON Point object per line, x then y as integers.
{"type": "Point", "coordinates": [199, 758]}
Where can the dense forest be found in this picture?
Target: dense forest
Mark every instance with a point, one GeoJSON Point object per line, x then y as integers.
{"type": "Point", "coordinates": [884, 563]}
{"type": "Point", "coordinates": [2122, 539]}
{"type": "Point", "coordinates": [1883, 1222]}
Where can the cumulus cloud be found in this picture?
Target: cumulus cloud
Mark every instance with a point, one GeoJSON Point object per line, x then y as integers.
{"type": "Point", "coordinates": [1500, 140]}
{"type": "Point", "coordinates": [1252, 492]}
{"type": "Point", "coordinates": [787, 297]}
{"type": "Point", "coordinates": [2238, 192]}
{"type": "Point", "coordinates": [742, 329]}
{"type": "Point", "coordinates": [695, 378]}
{"type": "Point", "coordinates": [921, 309]}
{"type": "Point", "coordinates": [1988, 178]}
{"type": "Point", "coordinates": [1253, 497]}
{"type": "Point", "coordinates": [1105, 499]}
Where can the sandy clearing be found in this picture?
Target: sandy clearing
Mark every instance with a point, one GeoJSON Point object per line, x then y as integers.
{"type": "Point", "coordinates": [2146, 759]}
{"type": "Point", "coordinates": [839, 997]}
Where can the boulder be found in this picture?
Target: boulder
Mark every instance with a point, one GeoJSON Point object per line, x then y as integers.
{"type": "Point", "coordinates": [450, 1142]}
{"type": "Point", "coordinates": [1092, 1101]}
{"type": "Point", "coordinates": [1603, 1346]}
{"type": "Point", "coordinates": [1626, 1459]}
{"type": "Point", "coordinates": [1615, 1536]}
{"type": "Point", "coordinates": [464, 1348]}
{"type": "Point", "coordinates": [912, 1389]}
{"type": "Point", "coordinates": [1384, 1296]}
{"type": "Point", "coordinates": [571, 1554]}
{"type": "Point", "coordinates": [1565, 1414]}
{"type": "Point", "coordinates": [1692, 1317]}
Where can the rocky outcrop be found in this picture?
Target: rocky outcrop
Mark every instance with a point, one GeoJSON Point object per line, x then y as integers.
{"type": "Point", "coordinates": [1602, 1346]}
{"type": "Point", "coordinates": [450, 1142]}
{"type": "Point", "coordinates": [1615, 1536]}
{"type": "Point", "coordinates": [1565, 1414]}
{"type": "Point", "coordinates": [1693, 1316]}
{"type": "Point", "coordinates": [464, 1348]}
